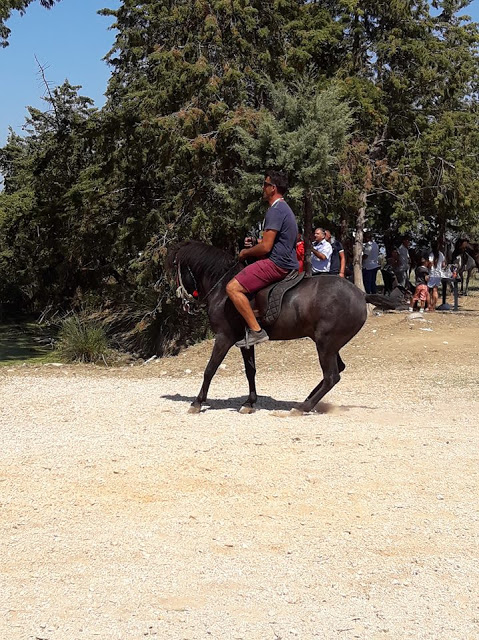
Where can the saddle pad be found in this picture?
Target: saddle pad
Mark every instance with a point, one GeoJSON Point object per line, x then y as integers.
{"type": "Point", "coordinates": [268, 300]}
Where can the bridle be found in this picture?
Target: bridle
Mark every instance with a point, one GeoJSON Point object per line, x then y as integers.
{"type": "Point", "coordinates": [190, 301]}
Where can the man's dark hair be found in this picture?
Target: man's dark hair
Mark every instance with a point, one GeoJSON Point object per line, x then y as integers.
{"type": "Point", "coordinates": [279, 179]}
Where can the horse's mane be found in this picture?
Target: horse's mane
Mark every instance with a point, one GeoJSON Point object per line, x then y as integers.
{"type": "Point", "coordinates": [203, 259]}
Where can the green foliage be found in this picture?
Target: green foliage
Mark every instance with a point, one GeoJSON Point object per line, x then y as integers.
{"type": "Point", "coordinates": [81, 340]}
{"type": "Point", "coordinates": [303, 132]}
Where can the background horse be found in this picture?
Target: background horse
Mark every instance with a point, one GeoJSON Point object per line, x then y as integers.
{"type": "Point", "coordinates": [328, 309]}
{"type": "Point", "coordinates": [466, 257]}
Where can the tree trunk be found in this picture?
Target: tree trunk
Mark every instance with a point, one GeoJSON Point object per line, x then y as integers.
{"type": "Point", "coordinates": [442, 229]}
{"type": "Point", "coordinates": [358, 243]}
{"type": "Point", "coordinates": [308, 226]}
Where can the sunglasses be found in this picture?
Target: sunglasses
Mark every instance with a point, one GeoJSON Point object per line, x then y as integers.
{"type": "Point", "coordinates": [268, 184]}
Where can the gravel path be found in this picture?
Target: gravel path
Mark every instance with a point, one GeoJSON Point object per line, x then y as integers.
{"type": "Point", "coordinates": [125, 517]}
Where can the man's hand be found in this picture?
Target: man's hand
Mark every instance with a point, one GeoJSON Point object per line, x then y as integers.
{"type": "Point", "coordinates": [261, 249]}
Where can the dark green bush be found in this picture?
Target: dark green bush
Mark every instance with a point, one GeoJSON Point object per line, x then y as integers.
{"type": "Point", "coordinates": [82, 340]}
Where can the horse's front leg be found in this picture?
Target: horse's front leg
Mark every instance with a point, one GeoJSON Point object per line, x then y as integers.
{"type": "Point", "coordinates": [250, 370]}
{"type": "Point", "coordinates": [221, 347]}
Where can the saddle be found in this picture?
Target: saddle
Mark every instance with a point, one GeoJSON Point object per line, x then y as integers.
{"type": "Point", "coordinates": [267, 302]}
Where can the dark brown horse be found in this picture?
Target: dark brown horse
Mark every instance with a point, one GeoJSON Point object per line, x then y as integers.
{"type": "Point", "coordinates": [328, 309]}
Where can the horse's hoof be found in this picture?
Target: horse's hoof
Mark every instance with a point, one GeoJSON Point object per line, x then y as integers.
{"type": "Point", "coordinates": [245, 409]}
{"type": "Point", "coordinates": [194, 409]}
{"type": "Point", "coordinates": [296, 412]}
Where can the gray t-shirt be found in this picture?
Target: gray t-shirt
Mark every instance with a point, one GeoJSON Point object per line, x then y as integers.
{"type": "Point", "coordinates": [280, 218]}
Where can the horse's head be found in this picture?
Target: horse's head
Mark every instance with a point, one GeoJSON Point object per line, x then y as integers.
{"type": "Point", "coordinates": [177, 263]}
{"type": "Point", "coordinates": [200, 270]}
{"type": "Point", "coordinates": [171, 257]}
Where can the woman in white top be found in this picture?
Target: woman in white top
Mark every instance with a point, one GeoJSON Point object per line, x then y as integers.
{"type": "Point", "coordinates": [437, 263]}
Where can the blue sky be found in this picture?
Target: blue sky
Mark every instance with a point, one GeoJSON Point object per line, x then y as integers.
{"type": "Point", "coordinates": [71, 40]}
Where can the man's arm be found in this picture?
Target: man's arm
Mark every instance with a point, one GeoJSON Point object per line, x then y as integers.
{"type": "Point", "coordinates": [325, 254]}
{"type": "Point", "coordinates": [319, 255]}
{"type": "Point", "coordinates": [342, 263]}
{"type": "Point", "coordinates": [262, 248]}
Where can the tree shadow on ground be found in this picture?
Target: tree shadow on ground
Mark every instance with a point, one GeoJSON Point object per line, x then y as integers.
{"type": "Point", "coordinates": [20, 343]}
{"type": "Point", "coordinates": [264, 402]}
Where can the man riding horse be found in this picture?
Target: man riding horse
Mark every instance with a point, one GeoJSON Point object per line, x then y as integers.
{"type": "Point", "coordinates": [277, 253]}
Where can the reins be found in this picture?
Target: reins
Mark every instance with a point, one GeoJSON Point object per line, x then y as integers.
{"type": "Point", "coordinates": [187, 299]}
{"type": "Point", "coordinates": [190, 299]}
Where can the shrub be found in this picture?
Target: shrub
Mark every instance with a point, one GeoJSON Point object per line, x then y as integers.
{"type": "Point", "coordinates": [82, 340]}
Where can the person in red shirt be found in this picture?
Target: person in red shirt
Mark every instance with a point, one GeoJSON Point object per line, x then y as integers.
{"type": "Point", "coordinates": [300, 251]}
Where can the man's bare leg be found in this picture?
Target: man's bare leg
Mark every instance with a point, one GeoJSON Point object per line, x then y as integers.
{"type": "Point", "coordinates": [236, 293]}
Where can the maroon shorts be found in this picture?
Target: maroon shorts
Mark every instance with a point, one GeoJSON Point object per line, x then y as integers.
{"type": "Point", "coordinates": [260, 274]}
{"type": "Point", "coordinates": [420, 293]}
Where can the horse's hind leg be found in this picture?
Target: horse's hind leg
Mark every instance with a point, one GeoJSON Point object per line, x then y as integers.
{"type": "Point", "coordinates": [221, 347]}
{"type": "Point", "coordinates": [330, 364]}
{"type": "Point", "coordinates": [467, 283]}
{"type": "Point", "coordinates": [341, 367]}
{"type": "Point", "coordinates": [250, 370]}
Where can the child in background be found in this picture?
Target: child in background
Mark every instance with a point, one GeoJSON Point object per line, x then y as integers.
{"type": "Point", "coordinates": [421, 293]}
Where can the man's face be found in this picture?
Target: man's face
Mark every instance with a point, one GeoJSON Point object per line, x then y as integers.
{"type": "Point", "coordinates": [318, 235]}
{"type": "Point", "coordinates": [327, 235]}
{"type": "Point", "coordinates": [269, 188]}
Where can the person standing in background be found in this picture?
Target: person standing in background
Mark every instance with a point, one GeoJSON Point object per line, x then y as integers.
{"type": "Point", "coordinates": [370, 263]}
{"type": "Point", "coordinates": [338, 259]}
{"type": "Point", "coordinates": [421, 292]}
{"type": "Point", "coordinates": [404, 262]}
{"type": "Point", "coordinates": [300, 251]}
{"type": "Point", "coordinates": [437, 262]}
{"type": "Point", "coordinates": [321, 253]}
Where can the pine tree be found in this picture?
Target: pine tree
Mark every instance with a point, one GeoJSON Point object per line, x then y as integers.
{"type": "Point", "coordinates": [44, 220]}
{"type": "Point", "coordinates": [403, 80]}
{"type": "Point", "coordinates": [303, 133]}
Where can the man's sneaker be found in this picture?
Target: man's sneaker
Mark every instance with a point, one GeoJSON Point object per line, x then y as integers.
{"type": "Point", "coordinates": [252, 337]}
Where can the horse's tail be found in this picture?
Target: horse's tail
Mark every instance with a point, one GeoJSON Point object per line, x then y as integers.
{"type": "Point", "coordinates": [381, 301]}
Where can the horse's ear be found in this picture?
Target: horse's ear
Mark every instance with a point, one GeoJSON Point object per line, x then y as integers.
{"type": "Point", "coordinates": [171, 257]}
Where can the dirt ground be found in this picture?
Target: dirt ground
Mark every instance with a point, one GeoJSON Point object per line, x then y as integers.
{"type": "Point", "coordinates": [125, 517]}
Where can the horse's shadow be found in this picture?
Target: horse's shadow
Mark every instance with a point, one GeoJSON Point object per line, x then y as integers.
{"type": "Point", "coordinates": [264, 402]}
